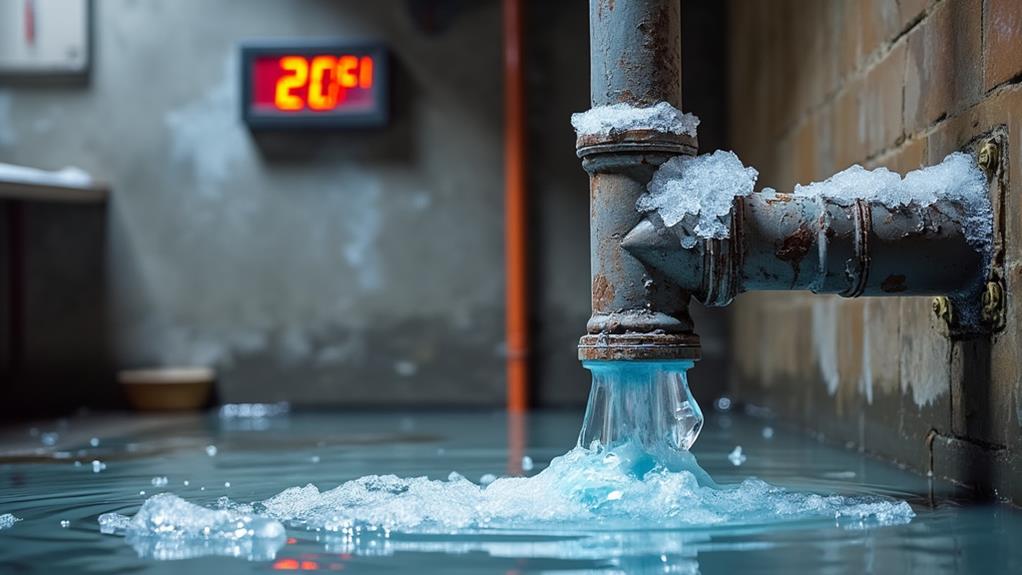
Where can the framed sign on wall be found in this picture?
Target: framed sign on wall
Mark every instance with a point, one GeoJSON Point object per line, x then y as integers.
{"type": "Point", "coordinates": [42, 39]}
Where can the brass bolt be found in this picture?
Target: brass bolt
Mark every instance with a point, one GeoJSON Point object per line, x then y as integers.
{"type": "Point", "coordinates": [993, 305]}
{"type": "Point", "coordinates": [942, 309]}
{"type": "Point", "coordinates": [988, 156]}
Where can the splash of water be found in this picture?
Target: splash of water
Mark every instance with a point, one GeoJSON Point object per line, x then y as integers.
{"type": "Point", "coordinates": [630, 470]}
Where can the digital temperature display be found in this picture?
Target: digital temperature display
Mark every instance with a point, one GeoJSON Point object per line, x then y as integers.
{"type": "Point", "coordinates": [321, 85]}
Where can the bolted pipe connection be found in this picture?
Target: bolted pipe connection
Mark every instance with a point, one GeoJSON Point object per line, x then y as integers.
{"type": "Point", "coordinates": [635, 60]}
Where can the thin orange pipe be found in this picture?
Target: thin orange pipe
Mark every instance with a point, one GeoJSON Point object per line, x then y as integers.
{"type": "Point", "coordinates": [516, 271]}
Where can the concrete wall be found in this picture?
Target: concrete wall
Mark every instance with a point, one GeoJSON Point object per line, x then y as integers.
{"type": "Point", "coordinates": [330, 269]}
{"type": "Point", "coordinates": [343, 269]}
{"type": "Point", "coordinates": [816, 87]}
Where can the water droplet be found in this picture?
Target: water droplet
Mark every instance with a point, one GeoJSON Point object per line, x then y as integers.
{"type": "Point", "coordinates": [768, 432]}
{"type": "Point", "coordinates": [211, 450]}
{"type": "Point", "coordinates": [94, 442]}
{"type": "Point", "coordinates": [736, 457]}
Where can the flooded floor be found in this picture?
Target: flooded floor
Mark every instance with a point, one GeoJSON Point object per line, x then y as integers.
{"type": "Point", "coordinates": [204, 458]}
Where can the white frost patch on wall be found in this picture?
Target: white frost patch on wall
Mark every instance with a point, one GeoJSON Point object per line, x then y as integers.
{"type": "Point", "coordinates": [364, 223]}
{"type": "Point", "coordinates": [8, 135]}
{"type": "Point", "coordinates": [825, 326]}
{"type": "Point", "coordinates": [608, 120]}
{"type": "Point", "coordinates": [207, 134]}
{"type": "Point", "coordinates": [957, 179]}
{"type": "Point", "coordinates": [698, 192]}
{"type": "Point", "coordinates": [866, 383]}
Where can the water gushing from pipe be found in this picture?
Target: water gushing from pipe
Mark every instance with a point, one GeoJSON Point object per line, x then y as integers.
{"type": "Point", "coordinates": [644, 412]}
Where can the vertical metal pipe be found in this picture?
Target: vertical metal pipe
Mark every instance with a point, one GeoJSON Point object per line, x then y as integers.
{"type": "Point", "coordinates": [516, 269]}
{"type": "Point", "coordinates": [635, 59]}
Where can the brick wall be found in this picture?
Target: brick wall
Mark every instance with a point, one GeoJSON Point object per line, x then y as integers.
{"type": "Point", "coordinates": [815, 87]}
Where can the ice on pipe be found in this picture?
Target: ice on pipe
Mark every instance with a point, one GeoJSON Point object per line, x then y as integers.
{"type": "Point", "coordinates": [7, 521]}
{"type": "Point", "coordinates": [168, 527]}
{"type": "Point", "coordinates": [616, 118]}
{"type": "Point", "coordinates": [956, 179]}
{"type": "Point", "coordinates": [697, 193]}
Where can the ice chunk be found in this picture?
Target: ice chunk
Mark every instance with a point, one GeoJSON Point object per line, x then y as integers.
{"type": "Point", "coordinates": [487, 478]}
{"type": "Point", "coordinates": [168, 527]}
{"type": "Point", "coordinates": [159, 481]}
{"type": "Point", "coordinates": [254, 410]}
{"type": "Point", "coordinates": [608, 120]}
{"type": "Point", "coordinates": [956, 179]}
{"type": "Point", "coordinates": [527, 463]}
{"type": "Point", "coordinates": [697, 193]}
{"type": "Point", "coordinates": [98, 466]}
{"type": "Point", "coordinates": [736, 457]}
{"type": "Point", "coordinates": [580, 489]}
{"type": "Point", "coordinates": [7, 521]}
{"type": "Point", "coordinates": [211, 450]}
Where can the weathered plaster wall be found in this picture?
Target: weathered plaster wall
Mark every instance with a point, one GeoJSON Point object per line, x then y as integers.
{"type": "Point", "coordinates": [323, 269]}
{"type": "Point", "coordinates": [816, 87]}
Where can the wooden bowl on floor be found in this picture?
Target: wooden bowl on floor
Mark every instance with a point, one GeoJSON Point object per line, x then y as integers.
{"type": "Point", "coordinates": [167, 388]}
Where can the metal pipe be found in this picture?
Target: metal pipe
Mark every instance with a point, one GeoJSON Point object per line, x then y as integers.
{"type": "Point", "coordinates": [790, 242]}
{"type": "Point", "coordinates": [515, 247]}
{"type": "Point", "coordinates": [635, 59]}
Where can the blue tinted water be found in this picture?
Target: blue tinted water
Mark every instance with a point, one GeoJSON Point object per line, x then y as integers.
{"type": "Point", "coordinates": [260, 457]}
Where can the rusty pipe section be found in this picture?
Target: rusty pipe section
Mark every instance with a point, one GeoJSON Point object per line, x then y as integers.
{"type": "Point", "coordinates": [794, 242]}
{"type": "Point", "coordinates": [635, 59]}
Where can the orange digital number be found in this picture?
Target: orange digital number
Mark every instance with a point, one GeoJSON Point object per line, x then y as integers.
{"type": "Point", "coordinates": [365, 72]}
{"type": "Point", "coordinates": [346, 67]}
{"type": "Point", "coordinates": [299, 69]}
{"type": "Point", "coordinates": [318, 99]}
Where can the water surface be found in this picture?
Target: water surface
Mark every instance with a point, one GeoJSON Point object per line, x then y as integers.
{"type": "Point", "coordinates": [256, 458]}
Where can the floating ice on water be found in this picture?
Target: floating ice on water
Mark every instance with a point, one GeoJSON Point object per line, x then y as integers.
{"type": "Point", "coordinates": [697, 192]}
{"type": "Point", "coordinates": [254, 410]}
{"type": "Point", "coordinates": [211, 450]}
{"type": "Point", "coordinates": [64, 523]}
{"type": "Point", "coordinates": [227, 483]}
{"type": "Point", "coordinates": [585, 489]}
{"type": "Point", "coordinates": [608, 120]}
{"type": "Point", "coordinates": [7, 521]}
{"type": "Point", "coordinates": [527, 463]}
{"type": "Point", "coordinates": [957, 179]}
{"type": "Point", "coordinates": [168, 527]}
{"type": "Point", "coordinates": [98, 466]}
{"type": "Point", "coordinates": [159, 481]}
{"type": "Point", "coordinates": [736, 457]}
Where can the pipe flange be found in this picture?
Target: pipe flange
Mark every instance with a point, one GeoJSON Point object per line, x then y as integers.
{"type": "Point", "coordinates": [635, 141]}
{"type": "Point", "coordinates": [638, 346]}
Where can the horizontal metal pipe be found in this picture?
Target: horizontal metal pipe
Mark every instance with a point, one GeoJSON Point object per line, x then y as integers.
{"type": "Point", "coordinates": [793, 242]}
